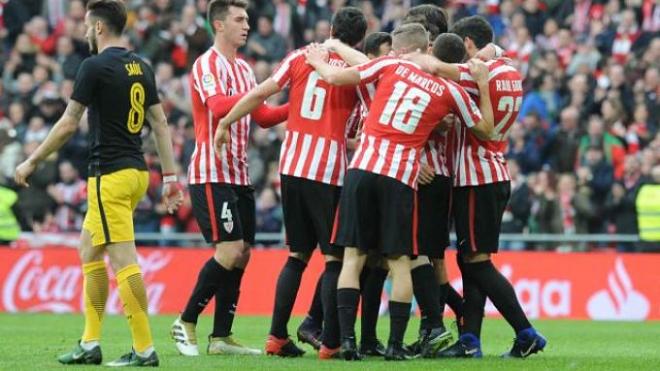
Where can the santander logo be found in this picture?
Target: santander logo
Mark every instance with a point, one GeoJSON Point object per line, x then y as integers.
{"type": "Point", "coordinates": [619, 301]}
{"type": "Point", "coordinates": [34, 285]}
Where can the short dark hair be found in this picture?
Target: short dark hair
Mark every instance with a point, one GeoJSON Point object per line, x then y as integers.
{"type": "Point", "coordinates": [449, 48]}
{"type": "Point", "coordinates": [476, 28]}
{"type": "Point", "coordinates": [410, 36]}
{"type": "Point", "coordinates": [349, 25]}
{"type": "Point", "coordinates": [111, 12]}
{"type": "Point", "coordinates": [432, 17]}
{"type": "Point", "coordinates": [218, 9]}
{"type": "Point", "coordinates": [373, 41]}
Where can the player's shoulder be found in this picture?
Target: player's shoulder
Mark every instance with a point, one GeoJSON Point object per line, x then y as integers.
{"type": "Point", "coordinates": [336, 60]}
{"type": "Point", "coordinates": [244, 66]}
{"type": "Point", "coordinates": [204, 58]}
{"type": "Point", "coordinates": [383, 62]}
{"type": "Point", "coordinates": [499, 66]}
{"type": "Point", "coordinates": [210, 60]}
{"type": "Point", "coordinates": [94, 61]}
{"type": "Point", "coordinates": [293, 57]}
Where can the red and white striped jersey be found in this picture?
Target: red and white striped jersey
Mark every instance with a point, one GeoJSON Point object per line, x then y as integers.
{"type": "Point", "coordinates": [434, 153]}
{"type": "Point", "coordinates": [407, 106]}
{"type": "Point", "coordinates": [314, 147]}
{"type": "Point", "coordinates": [623, 42]}
{"type": "Point", "coordinates": [477, 161]}
{"type": "Point", "coordinates": [213, 74]}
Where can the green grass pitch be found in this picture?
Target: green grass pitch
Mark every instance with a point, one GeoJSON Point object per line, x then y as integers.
{"type": "Point", "coordinates": [33, 341]}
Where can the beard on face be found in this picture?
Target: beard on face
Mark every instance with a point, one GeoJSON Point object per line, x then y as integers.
{"type": "Point", "coordinates": [93, 47]}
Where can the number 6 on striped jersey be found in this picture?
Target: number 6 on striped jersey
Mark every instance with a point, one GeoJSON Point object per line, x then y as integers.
{"type": "Point", "coordinates": [414, 102]}
{"type": "Point", "coordinates": [313, 98]}
{"type": "Point", "coordinates": [509, 106]}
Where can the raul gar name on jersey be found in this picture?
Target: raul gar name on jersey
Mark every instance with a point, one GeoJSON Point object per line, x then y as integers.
{"type": "Point", "coordinates": [314, 146]}
{"type": "Point", "coordinates": [477, 161]}
{"type": "Point", "coordinates": [214, 74]}
{"type": "Point", "coordinates": [407, 106]}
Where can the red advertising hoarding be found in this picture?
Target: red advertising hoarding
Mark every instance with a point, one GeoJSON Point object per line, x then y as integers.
{"type": "Point", "coordinates": [605, 286]}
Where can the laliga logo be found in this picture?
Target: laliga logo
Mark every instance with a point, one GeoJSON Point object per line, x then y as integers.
{"type": "Point", "coordinates": [619, 301]}
{"type": "Point", "coordinates": [34, 286]}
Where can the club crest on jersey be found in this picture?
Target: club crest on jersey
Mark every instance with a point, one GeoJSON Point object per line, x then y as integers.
{"type": "Point", "coordinates": [208, 81]}
{"type": "Point", "coordinates": [228, 225]}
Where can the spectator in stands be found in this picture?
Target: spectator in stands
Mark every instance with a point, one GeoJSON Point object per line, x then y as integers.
{"type": "Point", "coordinates": [36, 130]}
{"type": "Point", "coordinates": [70, 195]}
{"type": "Point", "coordinates": [651, 87]}
{"type": "Point", "coordinates": [266, 44]}
{"type": "Point", "coordinates": [648, 210]}
{"type": "Point", "coordinates": [523, 148]}
{"type": "Point", "coordinates": [562, 147]}
{"type": "Point", "coordinates": [544, 100]}
{"type": "Point", "coordinates": [619, 87]}
{"type": "Point", "coordinates": [585, 59]}
{"type": "Point", "coordinates": [598, 137]}
{"type": "Point", "coordinates": [597, 174]}
{"type": "Point", "coordinates": [66, 58]}
{"type": "Point", "coordinates": [377, 44]}
{"type": "Point", "coordinates": [269, 214]}
{"type": "Point", "coordinates": [576, 206]}
{"type": "Point", "coordinates": [321, 31]}
{"type": "Point", "coordinates": [534, 17]}
{"type": "Point", "coordinates": [34, 201]}
{"type": "Point", "coordinates": [9, 226]}
{"type": "Point", "coordinates": [549, 39]}
{"type": "Point", "coordinates": [11, 152]}
{"type": "Point", "coordinates": [546, 214]}
{"type": "Point", "coordinates": [620, 204]}
{"type": "Point", "coordinates": [579, 95]}
{"type": "Point", "coordinates": [516, 214]}
{"type": "Point", "coordinates": [17, 119]}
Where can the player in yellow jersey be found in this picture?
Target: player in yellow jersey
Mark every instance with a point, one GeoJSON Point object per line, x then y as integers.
{"type": "Point", "coordinates": [119, 91]}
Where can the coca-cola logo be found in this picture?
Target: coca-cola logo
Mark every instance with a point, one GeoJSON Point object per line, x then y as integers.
{"type": "Point", "coordinates": [32, 285]}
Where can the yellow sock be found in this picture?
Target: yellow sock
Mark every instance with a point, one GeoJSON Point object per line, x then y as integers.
{"type": "Point", "coordinates": [134, 297]}
{"type": "Point", "coordinates": [95, 292]}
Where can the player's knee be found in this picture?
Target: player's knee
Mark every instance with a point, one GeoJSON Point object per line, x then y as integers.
{"type": "Point", "coordinates": [374, 260]}
{"type": "Point", "coordinates": [121, 254]}
{"type": "Point", "coordinates": [230, 254]}
{"type": "Point", "coordinates": [89, 253]}
{"type": "Point", "coordinates": [302, 256]}
{"type": "Point", "coordinates": [440, 270]}
{"type": "Point", "coordinates": [475, 257]}
{"type": "Point", "coordinates": [332, 258]}
{"type": "Point", "coordinates": [352, 266]}
{"type": "Point", "coordinates": [398, 263]}
{"type": "Point", "coordinates": [244, 258]}
{"type": "Point", "coordinates": [419, 261]}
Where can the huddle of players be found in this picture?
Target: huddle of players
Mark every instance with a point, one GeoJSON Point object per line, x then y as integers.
{"type": "Point", "coordinates": [368, 209]}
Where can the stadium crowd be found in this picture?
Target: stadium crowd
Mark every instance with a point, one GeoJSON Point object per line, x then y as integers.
{"type": "Point", "coordinates": [586, 141]}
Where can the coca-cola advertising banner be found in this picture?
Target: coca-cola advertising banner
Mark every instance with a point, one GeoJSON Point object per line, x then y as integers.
{"type": "Point", "coordinates": [601, 286]}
